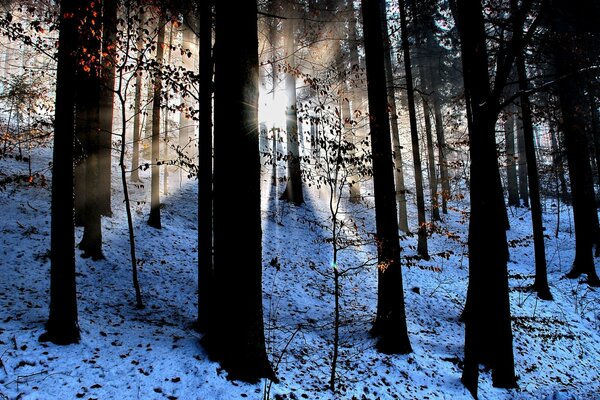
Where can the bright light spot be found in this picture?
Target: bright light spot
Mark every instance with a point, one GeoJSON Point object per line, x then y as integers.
{"type": "Point", "coordinates": [271, 110]}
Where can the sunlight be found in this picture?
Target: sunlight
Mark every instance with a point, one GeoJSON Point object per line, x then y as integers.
{"type": "Point", "coordinates": [271, 109]}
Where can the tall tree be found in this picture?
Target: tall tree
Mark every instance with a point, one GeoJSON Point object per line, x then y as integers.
{"type": "Point", "coordinates": [107, 83]}
{"type": "Point", "coordinates": [293, 189]}
{"type": "Point", "coordinates": [398, 163]}
{"type": "Point", "coordinates": [235, 336]}
{"type": "Point", "coordinates": [414, 136]}
{"type": "Point", "coordinates": [488, 332]}
{"type": "Point", "coordinates": [511, 165]}
{"type": "Point", "coordinates": [154, 218]}
{"type": "Point", "coordinates": [572, 26]}
{"type": "Point", "coordinates": [62, 326]}
{"type": "Point", "coordinates": [205, 168]}
{"type": "Point", "coordinates": [541, 276]}
{"type": "Point", "coordinates": [390, 321]}
{"type": "Point", "coordinates": [87, 124]}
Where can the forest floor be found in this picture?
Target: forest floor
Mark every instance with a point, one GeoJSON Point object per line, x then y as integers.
{"type": "Point", "coordinates": [154, 353]}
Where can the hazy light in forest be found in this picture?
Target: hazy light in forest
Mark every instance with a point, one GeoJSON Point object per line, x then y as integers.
{"type": "Point", "coordinates": [271, 109]}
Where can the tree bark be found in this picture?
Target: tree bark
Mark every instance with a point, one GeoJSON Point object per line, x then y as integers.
{"type": "Point", "coordinates": [398, 163]}
{"type": "Point", "coordinates": [205, 171]}
{"type": "Point", "coordinates": [488, 332]}
{"type": "Point", "coordinates": [574, 125]}
{"type": "Point", "coordinates": [62, 326]}
{"type": "Point", "coordinates": [236, 336]}
{"type": "Point", "coordinates": [293, 189]}
{"type": "Point", "coordinates": [414, 135]}
{"type": "Point", "coordinates": [390, 321]}
{"type": "Point", "coordinates": [107, 93]}
{"type": "Point", "coordinates": [154, 218]}
{"type": "Point", "coordinates": [512, 183]}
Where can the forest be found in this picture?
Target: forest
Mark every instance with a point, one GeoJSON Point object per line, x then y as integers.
{"type": "Point", "coordinates": [299, 199]}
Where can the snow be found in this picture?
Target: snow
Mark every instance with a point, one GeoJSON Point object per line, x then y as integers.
{"type": "Point", "coordinates": [154, 353]}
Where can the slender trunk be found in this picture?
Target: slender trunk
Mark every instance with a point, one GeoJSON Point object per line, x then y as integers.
{"type": "Point", "coordinates": [154, 218]}
{"type": "Point", "coordinates": [522, 161]}
{"type": "Point", "coordinates": [107, 93]}
{"type": "Point", "coordinates": [414, 135]}
{"type": "Point", "coordinates": [441, 141]}
{"type": "Point", "coordinates": [541, 276]}
{"type": "Point", "coordinates": [398, 163]}
{"type": "Point", "coordinates": [433, 182]}
{"type": "Point", "coordinates": [355, 100]}
{"type": "Point", "coordinates": [511, 166]}
{"type": "Point", "coordinates": [166, 124]}
{"type": "Point", "coordinates": [137, 132]}
{"type": "Point", "coordinates": [293, 188]}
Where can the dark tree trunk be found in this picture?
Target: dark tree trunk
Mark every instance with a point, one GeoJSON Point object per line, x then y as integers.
{"type": "Point", "coordinates": [522, 161]}
{"type": "Point", "coordinates": [107, 83]}
{"type": "Point", "coordinates": [235, 337]}
{"type": "Point", "coordinates": [62, 326]}
{"type": "Point", "coordinates": [540, 284]}
{"type": "Point", "coordinates": [398, 163]}
{"type": "Point", "coordinates": [390, 321]}
{"type": "Point", "coordinates": [488, 333]}
{"type": "Point", "coordinates": [414, 135]}
{"type": "Point", "coordinates": [205, 170]}
{"type": "Point", "coordinates": [441, 140]}
{"type": "Point", "coordinates": [433, 181]}
{"type": "Point", "coordinates": [570, 89]}
{"type": "Point", "coordinates": [154, 218]}
{"type": "Point", "coordinates": [512, 183]}
{"type": "Point", "coordinates": [88, 126]}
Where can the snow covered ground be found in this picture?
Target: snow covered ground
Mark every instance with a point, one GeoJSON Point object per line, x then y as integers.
{"type": "Point", "coordinates": [154, 353]}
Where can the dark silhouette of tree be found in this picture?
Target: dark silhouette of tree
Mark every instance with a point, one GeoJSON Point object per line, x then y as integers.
{"type": "Point", "coordinates": [62, 326]}
{"type": "Point", "coordinates": [87, 125]}
{"type": "Point", "coordinates": [488, 332]}
{"type": "Point", "coordinates": [154, 218]}
{"type": "Point", "coordinates": [414, 136]}
{"type": "Point", "coordinates": [572, 26]}
{"type": "Point", "coordinates": [235, 336]}
{"type": "Point", "coordinates": [390, 321]}
{"type": "Point", "coordinates": [541, 276]}
{"type": "Point", "coordinates": [205, 168]}
{"type": "Point", "coordinates": [107, 83]}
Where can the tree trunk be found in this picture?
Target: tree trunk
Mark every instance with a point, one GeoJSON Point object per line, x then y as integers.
{"type": "Point", "coordinates": [62, 326]}
{"type": "Point", "coordinates": [236, 336]}
{"type": "Point", "coordinates": [137, 129]}
{"type": "Point", "coordinates": [540, 284]}
{"type": "Point", "coordinates": [391, 97]}
{"type": "Point", "coordinates": [522, 161]}
{"type": "Point", "coordinates": [355, 100]}
{"type": "Point", "coordinates": [293, 189]}
{"type": "Point", "coordinates": [205, 172]}
{"type": "Point", "coordinates": [512, 183]}
{"type": "Point", "coordinates": [88, 125]}
{"type": "Point", "coordinates": [488, 332]}
{"type": "Point", "coordinates": [570, 89]}
{"type": "Point", "coordinates": [154, 218]}
{"type": "Point", "coordinates": [433, 182]}
{"type": "Point", "coordinates": [107, 84]}
{"type": "Point", "coordinates": [414, 135]}
{"type": "Point", "coordinates": [390, 321]}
